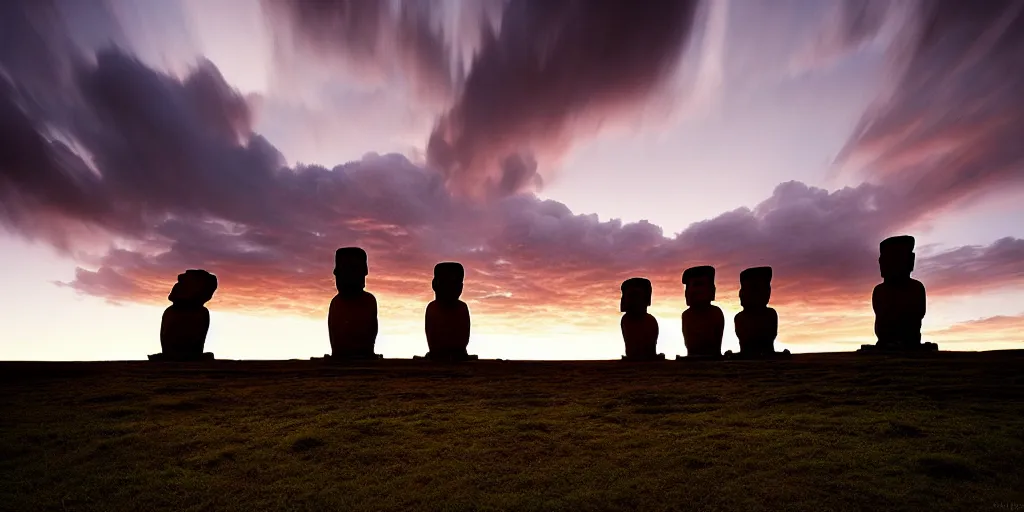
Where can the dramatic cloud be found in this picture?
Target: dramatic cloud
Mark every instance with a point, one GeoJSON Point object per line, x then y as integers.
{"type": "Point", "coordinates": [550, 64]}
{"type": "Point", "coordinates": [169, 172]}
{"type": "Point", "coordinates": [950, 128]}
{"type": "Point", "coordinates": [41, 179]}
{"type": "Point", "coordinates": [547, 69]}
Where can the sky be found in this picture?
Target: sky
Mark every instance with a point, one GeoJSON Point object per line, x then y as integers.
{"type": "Point", "coordinates": [555, 148]}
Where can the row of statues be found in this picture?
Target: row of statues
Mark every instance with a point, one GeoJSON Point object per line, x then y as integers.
{"type": "Point", "coordinates": [757, 325]}
{"type": "Point", "coordinates": [352, 318]}
{"type": "Point", "coordinates": [898, 303]}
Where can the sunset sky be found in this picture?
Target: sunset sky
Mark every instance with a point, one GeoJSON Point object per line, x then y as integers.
{"type": "Point", "coordinates": [554, 148]}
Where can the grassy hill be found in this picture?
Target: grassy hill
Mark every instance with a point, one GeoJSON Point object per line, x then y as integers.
{"type": "Point", "coordinates": [819, 432]}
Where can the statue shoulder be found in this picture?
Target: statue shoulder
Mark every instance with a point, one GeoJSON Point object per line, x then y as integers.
{"type": "Point", "coordinates": [650, 320]}
{"type": "Point", "coordinates": [366, 301]}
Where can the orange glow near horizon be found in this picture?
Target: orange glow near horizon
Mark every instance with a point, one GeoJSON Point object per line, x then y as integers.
{"type": "Point", "coordinates": [94, 330]}
{"type": "Point", "coordinates": [259, 318]}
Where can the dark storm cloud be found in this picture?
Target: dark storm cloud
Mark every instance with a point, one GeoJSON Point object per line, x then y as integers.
{"type": "Point", "coordinates": [43, 172]}
{"type": "Point", "coordinates": [550, 63]}
{"type": "Point", "coordinates": [177, 146]}
{"type": "Point", "coordinates": [951, 128]}
{"type": "Point", "coordinates": [160, 146]}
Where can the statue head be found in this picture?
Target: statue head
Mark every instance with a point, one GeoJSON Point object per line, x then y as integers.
{"type": "Point", "coordinates": [896, 257]}
{"type": "Point", "coordinates": [636, 295]}
{"type": "Point", "coordinates": [350, 270]}
{"type": "Point", "coordinates": [195, 287]}
{"type": "Point", "coordinates": [755, 287]}
{"type": "Point", "coordinates": [447, 283]}
{"type": "Point", "coordinates": [700, 285]}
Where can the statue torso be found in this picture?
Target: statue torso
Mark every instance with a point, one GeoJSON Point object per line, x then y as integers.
{"type": "Point", "coordinates": [757, 329]}
{"type": "Point", "coordinates": [352, 322]}
{"type": "Point", "coordinates": [183, 329]}
{"type": "Point", "coordinates": [899, 309]}
{"type": "Point", "coordinates": [447, 326]}
{"type": "Point", "coordinates": [640, 333]}
{"type": "Point", "coordinates": [702, 330]}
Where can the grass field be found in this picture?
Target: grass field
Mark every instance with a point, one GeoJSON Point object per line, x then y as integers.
{"type": "Point", "coordinates": [818, 432]}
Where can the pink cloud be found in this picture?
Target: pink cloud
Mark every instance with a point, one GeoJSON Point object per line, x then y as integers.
{"type": "Point", "coordinates": [991, 329]}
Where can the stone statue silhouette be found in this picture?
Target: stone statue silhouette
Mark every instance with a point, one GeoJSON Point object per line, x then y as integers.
{"type": "Point", "coordinates": [899, 300]}
{"type": "Point", "coordinates": [447, 321]}
{"type": "Point", "coordinates": [703, 322]}
{"type": "Point", "coordinates": [352, 319]}
{"type": "Point", "coordinates": [639, 328]}
{"type": "Point", "coordinates": [757, 325]}
{"type": "Point", "coordinates": [186, 321]}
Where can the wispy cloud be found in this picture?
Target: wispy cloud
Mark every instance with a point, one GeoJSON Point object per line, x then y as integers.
{"type": "Point", "coordinates": [551, 66]}
{"type": "Point", "coordinates": [392, 39]}
{"type": "Point", "coordinates": [949, 130]}
{"type": "Point", "coordinates": [1000, 329]}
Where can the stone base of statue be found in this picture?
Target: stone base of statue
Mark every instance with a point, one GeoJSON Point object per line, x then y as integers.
{"type": "Point", "coordinates": [348, 357]}
{"type": "Point", "coordinates": [764, 356]}
{"type": "Point", "coordinates": [708, 357]}
{"type": "Point", "coordinates": [182, 358]}
{"type": "Point", "coordinates": [635, 359]}
{"type": "Point", "coordinates": [447, 357]}
{"type": "Point", "coordinates": [900, 349]}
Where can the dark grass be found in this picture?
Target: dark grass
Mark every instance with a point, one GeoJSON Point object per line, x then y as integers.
{"type": "Point", "coordinates": [819, 432]}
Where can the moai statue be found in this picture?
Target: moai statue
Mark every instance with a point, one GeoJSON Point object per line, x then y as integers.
{"type": "Point", "coordinates": [899, 301]}
{"type": "Point", "coordinates": [447, 318]}
{"type": "Point", "coordinates": [186, 321]}
{"type": "Point", "coordinates": [639, 328]}
{"type": "Point", "coordinates": [352, 319]}
{"type": "Point", "coordinates": [757, 325]}
{"type": "Point", "coordinates": [703, 322]}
